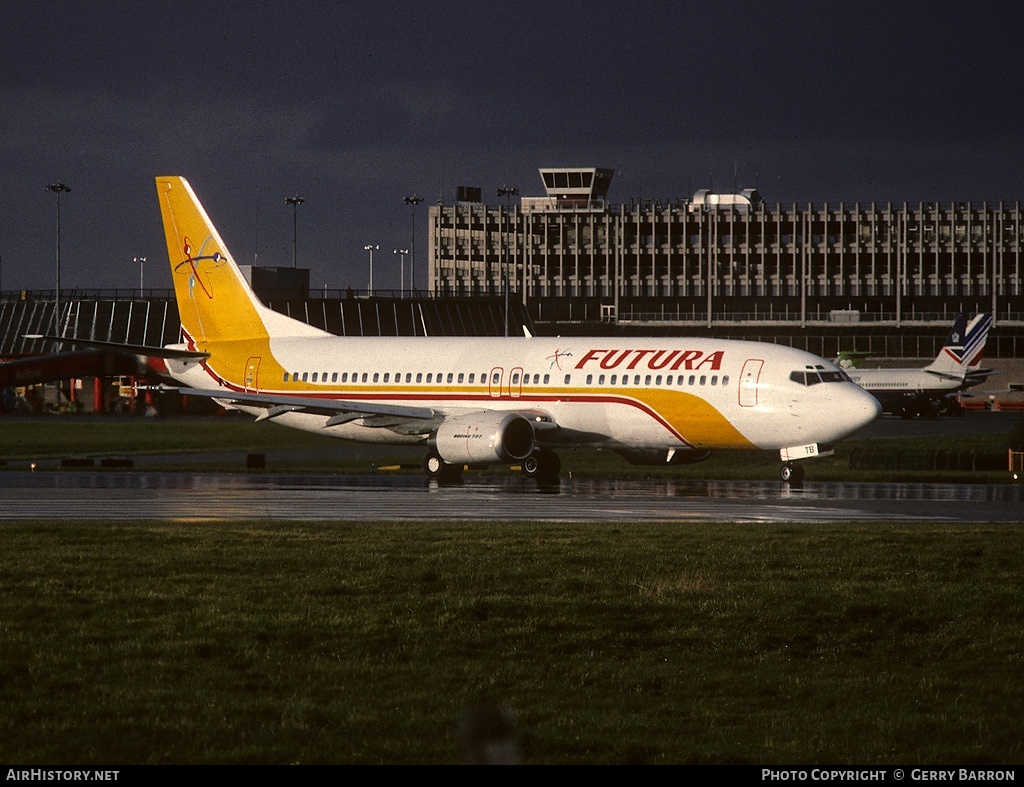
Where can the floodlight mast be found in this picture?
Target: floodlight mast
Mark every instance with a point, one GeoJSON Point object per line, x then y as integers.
{"type": "Point", "coordinates": [294, 202]}
{"type": "Point", "coordinates": [413, 201]}
{"type": "Point", "coordinates": [57, 188]}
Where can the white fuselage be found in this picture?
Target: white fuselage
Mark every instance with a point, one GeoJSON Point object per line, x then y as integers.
{"type": "Point", "coordinates": [644, 392]}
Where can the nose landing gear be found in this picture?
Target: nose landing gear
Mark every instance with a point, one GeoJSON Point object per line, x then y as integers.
{"type": "Point", "coordinates": [792, 473]}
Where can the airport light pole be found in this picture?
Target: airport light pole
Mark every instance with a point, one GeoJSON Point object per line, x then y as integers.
{"type": "Point", "coordinates": [57, 188]}
{"type": "Point", "coordinates": [507, 192]}
{"type": "Point", "coordinates": [370, 247]}
{"type": "Point", "coordinates": [402, 253]}
{"type": "Point", "coordinates": [142, 274]}
{"type": "Point", "coordinates": [294, 202]}
{"type": "Point", "coordinates": [413, 201]}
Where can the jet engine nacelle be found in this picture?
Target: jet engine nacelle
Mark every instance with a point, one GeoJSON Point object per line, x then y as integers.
{"type": "Point", "coordinates": [660, 456]}
{"type": "Point", "coordinates": [486, 437]}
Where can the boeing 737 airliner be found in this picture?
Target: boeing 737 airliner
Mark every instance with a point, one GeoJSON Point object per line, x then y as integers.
{"type": "Point", "coordinates": [471, 401]}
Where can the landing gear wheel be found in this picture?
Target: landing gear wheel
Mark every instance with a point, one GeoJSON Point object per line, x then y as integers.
{"type": "Point", "coordinates": [792, 473]}
{"type": "Point", "coordinates": [435, 467]}
{"type": "Point", "coordinates": [542, 465]}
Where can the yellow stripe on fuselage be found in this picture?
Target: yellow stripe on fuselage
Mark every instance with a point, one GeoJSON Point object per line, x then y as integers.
{"type": "Point", "coordinates": [687, 417]}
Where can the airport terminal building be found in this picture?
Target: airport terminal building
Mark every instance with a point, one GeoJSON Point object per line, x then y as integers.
{"type": "Point", "coordinates": [727, 259]}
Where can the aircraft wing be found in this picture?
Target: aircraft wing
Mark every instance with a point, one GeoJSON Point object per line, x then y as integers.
{"type": "Point", "coordinates": [339, 410]}
{"type": "Point", "coordinates": [405, 419]}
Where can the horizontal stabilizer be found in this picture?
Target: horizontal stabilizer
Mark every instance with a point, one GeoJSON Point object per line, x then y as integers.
{"type": "Point", "coordinates": [945, 375]}
{"type": "Point", "coordinates": [129, 349]}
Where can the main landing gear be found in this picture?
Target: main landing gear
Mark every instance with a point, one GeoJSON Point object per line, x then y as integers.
{"type": "Point", "coordinates": [435, 467]}
{"type": "Point", "coordinates": [542, 465]}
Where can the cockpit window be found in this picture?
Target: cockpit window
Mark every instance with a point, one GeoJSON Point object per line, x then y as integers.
{"type": "Point", "coordinates": [812, 375]}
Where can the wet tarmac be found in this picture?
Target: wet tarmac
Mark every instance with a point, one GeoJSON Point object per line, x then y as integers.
{"type": "Point", "coordinates": [163, 496]}
{"type": "Point", "coordinates": [183, 495]}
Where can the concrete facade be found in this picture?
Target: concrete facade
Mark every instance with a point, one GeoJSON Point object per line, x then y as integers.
{"type": "Point", "coordinates": [731, 259]}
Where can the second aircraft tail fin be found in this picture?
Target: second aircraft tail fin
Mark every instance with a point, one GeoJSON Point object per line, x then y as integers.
{"type": "Point", "coordinates": [962, 347]}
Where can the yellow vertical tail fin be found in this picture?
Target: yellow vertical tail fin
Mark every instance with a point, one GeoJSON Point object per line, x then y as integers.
{"type": "Point", "coordinates": [215, 302]}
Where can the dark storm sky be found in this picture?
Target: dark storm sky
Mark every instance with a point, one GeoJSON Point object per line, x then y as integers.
{"type": "Point", "coordinates": [355, 108]}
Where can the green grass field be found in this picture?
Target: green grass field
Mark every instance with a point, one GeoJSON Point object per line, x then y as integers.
{"type": "Point", "coordinates": [322, 642]}
{"type": "Point", "coordinates": [327, 643]}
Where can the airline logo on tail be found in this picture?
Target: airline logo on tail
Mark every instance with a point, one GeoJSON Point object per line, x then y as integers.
{"type": "Point", "coordinates": [193, 274]}
{"type": "Point", "coordinates": [968, 351]}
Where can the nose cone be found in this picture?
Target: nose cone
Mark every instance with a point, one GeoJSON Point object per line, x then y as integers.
{"type": "Point", "coordinates": [857, 409]}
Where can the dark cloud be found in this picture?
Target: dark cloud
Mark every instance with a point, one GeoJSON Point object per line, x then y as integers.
{"type": "Point", "coordinates": [357, 105]}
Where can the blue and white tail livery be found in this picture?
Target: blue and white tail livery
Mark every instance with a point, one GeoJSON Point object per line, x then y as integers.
{"type": "Point", "coordinates": [922, 391]}
{"type": "Point", "coordinates": [964, 344]}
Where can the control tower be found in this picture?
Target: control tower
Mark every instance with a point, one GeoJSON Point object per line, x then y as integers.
{"type": "Point", "coordinates": [570, 188]}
